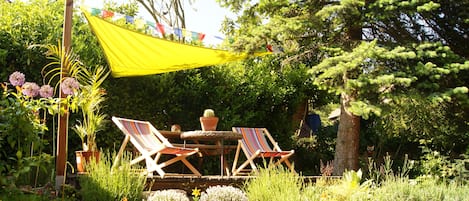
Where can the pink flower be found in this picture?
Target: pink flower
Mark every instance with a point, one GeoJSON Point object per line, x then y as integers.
{"type": "Point", "coordinates": [46, 91]}
{"type": "Point", "coordinates": [70, 85]}
{"type": "Point", "coordinates": [30, 89]}
{"type": "Point", "coordinates": [17, 79]}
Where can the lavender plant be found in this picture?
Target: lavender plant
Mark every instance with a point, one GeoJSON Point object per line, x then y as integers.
{"type": "Point", "coordinates": [223, 193]}
{"type": "Point", "coordinates": [168, 195]}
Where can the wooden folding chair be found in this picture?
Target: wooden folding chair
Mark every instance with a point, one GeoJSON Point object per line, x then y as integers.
{"type": "Point", "coordinates": [149, 142]}
{"type": "Point", "coordinates": [255, 145]}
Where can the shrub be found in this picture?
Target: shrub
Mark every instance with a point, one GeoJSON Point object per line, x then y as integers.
{"type": "Point", "coordinates": [434, 164]}
{"type": "Point", "coordinates": [348, 188]}
{"type": "Point", "coordinates": [106, 183]}
{"type": "Point", "coordinates": [168, 195]}
{"type": "Point", "coordinates": [22, 128]}
{"type": "Point", "coordinates": [274, 184]}
{"type": "Point", "coordinates": [223, 193]}
{"type": "Point", "coordinates": [429, 189]}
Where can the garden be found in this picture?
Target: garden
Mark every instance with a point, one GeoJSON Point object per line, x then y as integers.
{"type": "Point", "coordinates": [396, 70]}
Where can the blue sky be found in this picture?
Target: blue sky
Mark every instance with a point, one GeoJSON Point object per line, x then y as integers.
{"type": "Point", "coordinates": [203, 16]}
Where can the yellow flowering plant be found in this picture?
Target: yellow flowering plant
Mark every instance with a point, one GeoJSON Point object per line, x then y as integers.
{"type": "Point", "coordinates": [195, 194]}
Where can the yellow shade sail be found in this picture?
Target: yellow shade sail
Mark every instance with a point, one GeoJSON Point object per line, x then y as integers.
{"type": "Point", "coordinates": [130, 53]}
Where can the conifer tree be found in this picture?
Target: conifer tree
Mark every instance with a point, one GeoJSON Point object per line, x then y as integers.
{"type": "Point", "coordinates": [407, 50]}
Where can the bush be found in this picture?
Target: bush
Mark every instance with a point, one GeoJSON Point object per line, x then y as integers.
{"type": "Point", "coordinates": [429, 189]}
{"type": "Point", "coordinates": [434, 164]}
{"type": "Point", "coordinates": [22, 129]}
{"type": "Point", "coordinates": [274, 184]}
{"type": "Point", "coordinates": [223, 193]}
{"type": "Point", "coordinates": [106, 183]}
{"type": "Point", "coordinates": [168, 195]}
{"type": "Point", "coordinates": [348, 188]}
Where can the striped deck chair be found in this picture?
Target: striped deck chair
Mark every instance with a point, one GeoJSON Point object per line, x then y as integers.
{"type": "Point", "coordinates": [149, 142]}
{"type": "Point", "coordinates": [255, 145]}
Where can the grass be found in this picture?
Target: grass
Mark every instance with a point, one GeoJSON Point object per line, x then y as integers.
{"type": "Point", "coordinates": [103, 182]}
{"type": "Point", "coordinates": [279, 184]}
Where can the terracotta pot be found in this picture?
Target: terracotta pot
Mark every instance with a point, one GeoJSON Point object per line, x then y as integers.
{"type": "Point", "coordinates": [85, 157]}
{"type": "Point", "coordinates": [208, 123]}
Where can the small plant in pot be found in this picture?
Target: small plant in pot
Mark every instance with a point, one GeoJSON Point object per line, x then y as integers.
{"type": "Point", "coordinates": [91, 97]}
{"type": "Point", "coordinates": [209, 121]}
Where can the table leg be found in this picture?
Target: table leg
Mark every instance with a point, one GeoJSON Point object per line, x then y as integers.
{"type": "Point", "coordinates": [222, 158]}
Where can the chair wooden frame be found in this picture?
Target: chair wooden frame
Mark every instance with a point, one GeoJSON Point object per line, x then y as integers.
{"type": "Point", "coordinates": [150, 142]}
{"type": "Point", "coordinates": [255, 145]}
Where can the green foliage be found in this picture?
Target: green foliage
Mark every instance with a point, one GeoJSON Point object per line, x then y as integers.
{"type": "Point", "coordinates": [106, 183]}
{"type": "Point", "coordinates": [274, 184]}
{"type": "Point", "coordinates": [91, 98]}
{"type": "Point", "coordinates": [415, 120]}
{"type": "Point", "coordinates": [378, 173]}
{"type": "Point", "coordinates": [440, 167]}
{"type": "Point", "coordinates": [405, 189]}
{"type": "Point", "coordinates": [22, 134]}
{"type": "Point", "coordinates": [19, 196]}
{"type": "Point", "coordinates": [223, 193]}
{"type": "Point", "coordinates": [167, 195]}
{"type": "Point", "coordinates": [349, 187]}
{"type": "Point", "coordinates": [403, 57]}
{"type": "Point", "coordinates": [416, 21]}
{"type": "Point", "coordinates": [25, 23]}
{"type": "Point", "coordinates": [130, 9]}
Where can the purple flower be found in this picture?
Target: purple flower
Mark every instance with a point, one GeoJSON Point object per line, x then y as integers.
{"type": "Point", "coordinates": [70, 85]}
{"type": "Point", "coordinates": [17, 79]}
{"type": "Point", "coordinates": [46, 91]}
{"type": "Point", "coordinates": [30, 89]}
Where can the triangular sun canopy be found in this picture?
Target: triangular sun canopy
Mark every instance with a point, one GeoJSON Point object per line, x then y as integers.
{"type": "Point", "coordinates": [130, 53]}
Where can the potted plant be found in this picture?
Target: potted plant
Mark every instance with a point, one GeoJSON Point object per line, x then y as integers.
{"type": "Point", "coordinates": [90, 96]}
{"type": "Point", "coordinates": [209, 121]}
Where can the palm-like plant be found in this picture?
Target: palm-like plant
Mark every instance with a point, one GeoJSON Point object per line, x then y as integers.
{"type": "Point", "coordinates": [88, 98]}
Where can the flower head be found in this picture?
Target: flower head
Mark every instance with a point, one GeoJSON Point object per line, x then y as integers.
{"type": "Point", "coordinates": [70, 85]}
{"type": "Point", "coordinates": [196, 192]}
{"type": "Point", "coordinates": [17, 79]}
{"type": "Point", "coordinates": [46, 91]}
{"type": "Point", "coordinates": [30, 89]}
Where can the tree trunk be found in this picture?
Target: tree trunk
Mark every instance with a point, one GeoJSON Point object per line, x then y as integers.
{"type": "Point", "coordinates": [348, 134]}
{"type": "Point", "coordinates": [348, 138]}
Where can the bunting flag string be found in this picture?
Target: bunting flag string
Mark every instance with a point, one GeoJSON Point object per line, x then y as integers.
{"type": "Point", "coordinates": [131, 53]}
{"type": "Point", "coordinates": [155, 29]}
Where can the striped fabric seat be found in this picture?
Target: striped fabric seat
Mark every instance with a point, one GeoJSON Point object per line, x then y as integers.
{"type": "Point", "coordinates": [149, 142]}
{"type": "Point", "coordinates": [255, 145]}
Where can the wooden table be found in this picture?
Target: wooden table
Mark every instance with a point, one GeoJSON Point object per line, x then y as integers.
{"type": "Point", "coordinates": [218, 136]}
{"type": "Point", "coordinates": [171, 134]}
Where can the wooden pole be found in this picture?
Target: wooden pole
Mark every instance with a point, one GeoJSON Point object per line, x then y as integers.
{"type": "Point", "coordinates": [62, 134]}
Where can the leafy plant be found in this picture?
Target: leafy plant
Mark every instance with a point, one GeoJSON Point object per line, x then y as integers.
{"type": "Point", "coordinates": [223, 193]}
{"type": "Point", "coordinates": [106, 183]}
{"type": "Point", "coordinates": [433, 164]}
{"type": "Point", "coordinates": [382, 172]}
{"type": "Point", "coordinates": [274, 184]}
{"type": "Point", "coordinates": [21, 128]}
{"type": "Point", "coordinates": [91, 97]}
{"type": "Point", "coordinates": [349, 187]}
{"type": "Point", "coordinates": [430, 189]}
{"type": "Point", "coordinates": [167, 195]}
